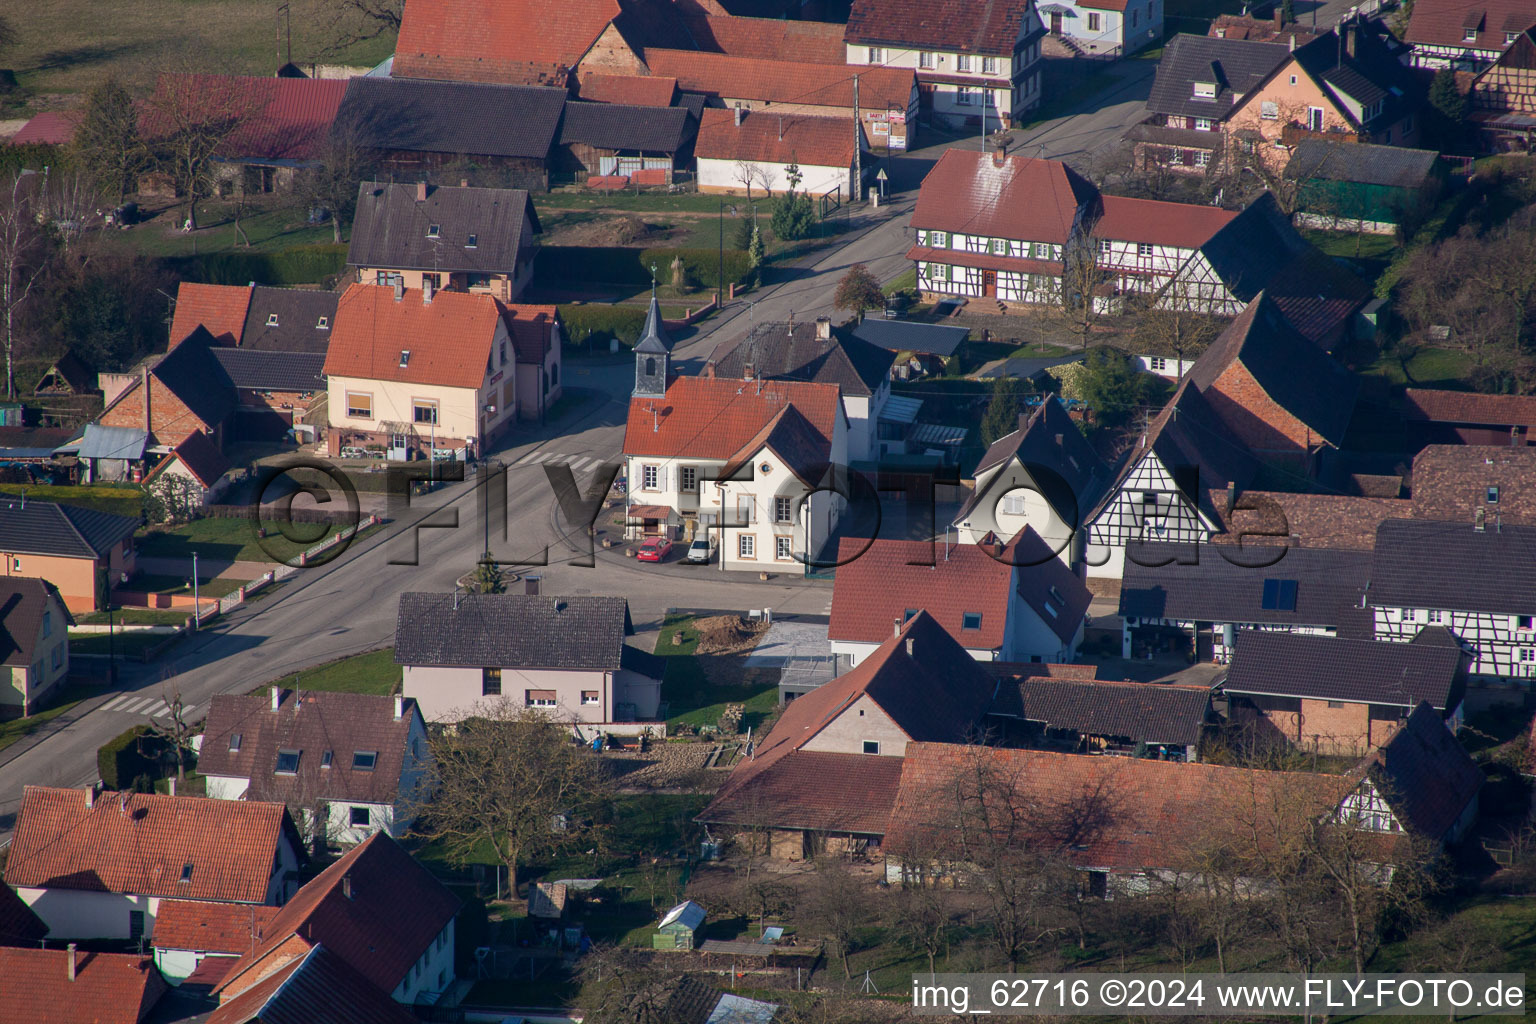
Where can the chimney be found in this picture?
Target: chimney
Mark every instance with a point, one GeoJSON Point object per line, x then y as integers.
{"type": "Point", "coordinates": [1293, 42]}
{"type": "Point", "coordinates": [1279, 17]}
{"type": "Point", "coordinates": [823, 328]}
{"type": "Point", "coordinates": [277, 698]}
{"type": "Point", "coordinates": [171, 785]}
{"type": "Point", "coordinates": [399, 288]}
{"type": "Point", "coordinates": [144, 384]}
{"type": "Point", "coordinates": [72, 969]}
{"type": "Point", "coordinates": [1480, 519]}
{"type": "Point", "coordinates": [531, 586]}
{"type": "Point", "coordinates": [895, 627]}
{"type": "Point", "coordinates": [1231, 496]}
{"type": "Point", "coordinates": [709, 372]}
{"type": "Point", "coordinates": [346, 886]}
{"type": "Point", "coordinates": [909, 647]}
{"type": "Point", "coordinates": [399, 714]}
{"type": "Point", "coordinates": [736, 115]}
{"type": "Point", "coordinates": [1350, 31]}
{"type": "Point", "coordinates": [746, 371]}
{"type": "Point", "coordinates": [426, 289]}
{"type": "Point", "coordinates": [463, 183]}
{"type": "Point", "coordinates": [1000, 151]}
{"type": "Point", "coordinates": [421, 191]}
{"type": "Point", "coordinates": [90, 797]}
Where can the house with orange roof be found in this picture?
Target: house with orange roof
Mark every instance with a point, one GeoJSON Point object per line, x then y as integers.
{"type": "Point", "coordinates": [70, 984]}
{"type": "Point", "coordinates": [751, 460]}
{"type": "Point", "coordinates": [98, 865]}
{"type": "Point", "coordinates": [198, 941]}
{"type": "Point", "coordinates": [411, 369]}
{"type": "Point", "coordinates": [750, 152]}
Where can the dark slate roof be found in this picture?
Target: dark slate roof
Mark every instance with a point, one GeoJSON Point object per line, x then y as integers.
{"type": "Point", "coordinates": [654, 336]}
{"type": "Point", "coordinates": [1236, 66]}
{"type": "Point", "coordinates": [43, 528]}
{"type": "Point", "coordinates": [619, 126]}
{"type": "Point", "coordinates": [910, 336]}
{"type": "Point", "coordinates": [23, 599]}
{"type": "Point", "coordinates": [457, 118]}
{"type": "Point", "coordinates": [1294, 372]}
{"type": "Point", "coordinates": [792, 351]}
{"type": "Point", "coordinates": [193, 375]}
{"type": "Point", "coordinates": [512, 631]}
{"type": "Point", "coordinates": [1280, 664]}
{"type": "Point", "coordinates": [1425, 774]}
{"type": "Point", "coordinates": [273, 371]}
{"type": "Point", "coordinates": [317, 985]}
{"type": "Point", "coordinates": [1423, 564]}
{"type": "Point", "coordinates": [1361, 162]}
{"type": "Point", "coordinates": [1139, 712]}
{"type": "Point", "coordinates": [1076, 465]}
{"type": "Point", "coordinates": [298, 312]}
{"type": "Point", "coordinates": [1375, 73]}
{"type": "Point", "coordinates": [390, 229]}
{"type": "Point", "coordinates": [1328, 584]}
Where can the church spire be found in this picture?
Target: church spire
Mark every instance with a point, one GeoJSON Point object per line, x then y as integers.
{"type": "Point", "coordinates": [653, 352]}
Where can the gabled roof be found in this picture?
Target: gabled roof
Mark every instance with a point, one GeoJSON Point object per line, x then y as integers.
{"type": "Point", "coordinates": [456, 118]}
{"type": "Point", "coordinates": [1234, 66]}
{"type": "Point", "coordinates": [1281, 664]}
{"type": "Point", "coordinates": [108, 988]}
{"type": "Point", "coordinates": [72, 372]}
{"type": "Point", "coordinates": [141, 843]}
{"type": "Point", "coordinates": [257, 370]}
{"type": "Point", "coordinates": [512, 631]}
{"type": "Point", "coordinates": [1340, 521]}
{"type": "Point", "coordinates": [206, 927]}
{"type": "Point", "coordinates": [479, 230]}
{"type": "Point", "coordinates": [513, 41]}
{"type": "Point", "coordinates": [220, 308]}
{"type": "Point", "coordinates": [651, 129]}
{"type": "Point", "coordinates": [933, 691]}
{"type": "Point", "coordinates": [1453, 481]}
{"type": "Point", "coordinates": [1444, 22]}
{"type": "Point", "coordinates": [711, 418]}
{"type": "Point", "coordinates": [316, 724]}
{"type": "Point", "coordinates": [1176, 225]}
{"type": "Point", "coordinates": [317, 986]}
{"type": "Point", "coordinates": [722, 76]}
{"type": "Point", "coordinates": [191, 373]}
{"type": "Point", "coordinates": [769, 137]}
{"type": "Point", "coordinates": [449, 339]}
{"type": "Point", "coordinates": [531, 329]}
{"type": "Point", "coordinates": [1374, 73]}
{"type": "Point", "coordinates": [200, 456]}
{"type": "Point", "coordinates": [804, 450]}
{"type": "Point", "coordinates": [1424, 564]}
{"type": "Point", "coordinates": [816, 42]}
{"type": "Point", "coordinates": [912, 336]}
{"type": "Point", "coordinates": [951, 25]}
{"type": "Point", "coordinates": [1425, 774]}
{"type": "Point", "coordinates": [23, 599]}
{"type": "Point", "coordinates": [19, 925]}
{"type": "Point", "coordinates": [1289, 369]}
{"type": "Point", "coordinates": [1469, 408]}
{"type": "Point", "coordinates": [1488, 91]}
{"type": "Point", "coordinates": [792, 351]}
{"type": "Point", "coordinates": [1363, 163]}
{"type": "Point", "coordinates": [44, 528]}
{"type": "Point", "coordinates": [1026, 199]}
{"type": "Point", "coordinates": [298, 314]}
{"type": "Point", "coordinates": [1049, 438]}
{"type": "Point", "coordinates": [1328, 584]}
{"type": "Point", "coordinates": [635, 90]}
{"type": "Point", "coordinates": [49, 128]}
{"type": "Point", "coordinates": [375, 908]}
{"type": "Point", "coordinates": [1139, 712]}
{"type": "Point", "coordinates": [285, 120]}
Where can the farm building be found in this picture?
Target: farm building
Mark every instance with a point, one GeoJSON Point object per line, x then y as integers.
{"type": "Point", "coordinates": [1360, 187]}
{"type": "Point", "coordinates": [751, 153]}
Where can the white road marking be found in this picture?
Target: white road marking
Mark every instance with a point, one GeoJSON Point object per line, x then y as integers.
{"type": "Point", "coordinates": [115, 702]}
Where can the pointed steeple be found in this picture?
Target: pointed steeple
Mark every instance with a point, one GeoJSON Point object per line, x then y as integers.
{"type": "Point", "coordinates": [654, 337]}
{"type": "Point", "coordinates": [653, 352]}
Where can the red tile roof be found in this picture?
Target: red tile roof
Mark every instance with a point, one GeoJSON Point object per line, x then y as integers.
{"type": "Point", "coordinates": [1444, 22]}
{"type": "Point", "coordinates": [317, 987]}
{"type": "Point", "coordinates": [394, 911]}
{"type": "Point", "coordinates": [200, 456]}
{"type": "Point", "coordinates": [140, 842]}
{"type": "Point", "coordinates": [775, 138]}
{"type": "Point", "coordinates": [721, 76]}
{"type": "Point", "coordinates": [1026, 199]}
{"type": "Point", "coordinates": [1451, 482]}
{"type": "Point", "coordinates": [210, 927]}
{"type": "Point", "coordinates": [817, 42]}
{"type": "Point", "coordinates": [707, 418]}
{"type": "Point", "coordinates": [109, 988]}
{"type": "Point", "coordinates": [633, 90]}
{"type": "Point", "coordinates": [1149, 809]}
{"type": "Point", "coordinates": [805, 451]}
{"type": "Point", "coordinates": [875, 584]}
{"type": "Point", "coordinates": [950, 25]}
{"type": "Point", "coordinates": [1336, 521]}
{"type": "Point", "coordinates": [1178, 225]}
{"type": "Point", "coordinates": [282, 118]}
{"type": "Point", "coordinates": [221, 308]}
{"type": "Point", "coordinates": [449, 339]}
{"type": "Point", "coordinates": [1467, 407]}
{"type": "Point", "coordinates": [530, 330]}
{"type": "Point", "coordinates": [50, 128]}
{"type": "Point", "coordinates": [508, 41]}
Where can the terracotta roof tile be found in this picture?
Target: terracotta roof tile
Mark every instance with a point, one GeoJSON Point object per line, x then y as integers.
{"type": "Point", "coordinates": [210, 927]}
{"type": "Point", "coordinates": [1443, 23]}
{"type": "Point", "coordinates": [875, 585]}
{"type": "Point", "coordinates": [707, 418]}
{"type": "Point", "coordinates": [1180, 225]}
{"type": "Point", "coordinates": [282, 118]}
{"type": "Point", "coordinates": [1025, 199]}
{"type": "Point", "coordinates": [530, 328]}
{"type": "Point", "coordinates": [950, 25]}
{"type": "Point", "coordinates": [722, 76]}
{"type": "Point", "coordinates": [108, 988]}
{"type": "Point", "coordinates": [817, 42]}
{"type": "Point", "coordinates": [794, 792]}
{"type": "Point", "coordinates": [1453, 482]}
{"type": "Point", "coordinates": [635, 90]}
{"type": "Point", "coordinates": [394, 911]}
{"type": "Point", "coordinates": [50, 128]}
{"type": "Point", "coordinates": [140, 842]}
{"type": "Point", "coordinates": [318, 987]}
{"type": "Point", "coordinates": [449, 339]}
{"type": "Point", "coordinates": [809, 141]}
{"type": "Point", "coordinates": [1344, 522]}
{"type": "Point", "coordinates": [1467, 407]}
{"type": "Point", "coordinates": [513, 41]}
{"type": "Point", "coordinates": [218, 307]}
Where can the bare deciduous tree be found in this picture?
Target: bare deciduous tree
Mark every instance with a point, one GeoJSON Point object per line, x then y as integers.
{"type": "Point", "coordinates": [107, 143]}
{"type": "Point", "coordinates": [23, 257]}
{"type": "Point", "coordinates": [191, 119]}
{"type": "Point", "coordinates": [840, 906]}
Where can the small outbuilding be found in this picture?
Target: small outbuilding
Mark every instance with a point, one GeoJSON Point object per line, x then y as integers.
{"type": "Point", "coordinates": [680, 927]}
{"type": "Point", "coordinates": [1357, 186]}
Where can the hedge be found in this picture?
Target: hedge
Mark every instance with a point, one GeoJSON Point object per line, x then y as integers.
{"type": "Point", "coordinates": [120, 762]}
{"type": "Point", "coordinates": [596, 324]}
{"type": "Point", "coordinates": [616, 265]}
{"type": "Point", "coordinates": [305, 264]}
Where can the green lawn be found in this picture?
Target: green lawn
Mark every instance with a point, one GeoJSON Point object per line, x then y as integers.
{"type": "Point", "coordinates": [135, 617]}
{"type": "Point", "coordinates": [645, 202]}
{"type": "Point", "coordinates": [906, 281]}
{"type": "Point", "coordinates": [15, 729]}
{"type": "Point", "coordinates": [1352, 245]}
{"type": "Point", "coordinates": [691, 699]}
{"type": "Point", "coordinates": [147, 583]}
{"type": "Point", "coordinates": [269, 230]}
{"type": "Point", "coordinates": [193, 785]}
{"type": "Point", "coordinates": [371, 672]}
{"type": "Point", "coordinates": [114, 498]}
{"type": "Point", "coordinates": [126, 644]}
{"type": "Point", "coordinates": [1429, 367]}
{"type": "Point", "coordinates": [232, 539]}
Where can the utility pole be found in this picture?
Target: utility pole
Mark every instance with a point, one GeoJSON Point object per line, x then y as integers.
{"type": "Point", "coordinates": [858, 145]}
{"type": "Point", "coordinates": [197, 607]}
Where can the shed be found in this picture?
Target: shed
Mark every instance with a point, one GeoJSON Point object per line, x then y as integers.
{"type": "Point", "coordinates": [679, 928]}
{"type": "Point", "coordinates": [1342, 184]}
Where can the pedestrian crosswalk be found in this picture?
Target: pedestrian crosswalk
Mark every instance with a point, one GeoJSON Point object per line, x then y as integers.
{"type": "Point", "coordinates": [138, 704]}
{"type": "Point", "coordinates": [578, 463]}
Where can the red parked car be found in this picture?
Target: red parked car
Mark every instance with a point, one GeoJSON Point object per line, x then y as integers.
{"type": "Point", "coordinates": [655, 549]}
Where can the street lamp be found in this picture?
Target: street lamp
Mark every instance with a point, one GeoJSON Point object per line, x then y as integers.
{"type": "Point", "coordinates": [720, 284]}
{"type": "Point", "coordinates": [197, 606]}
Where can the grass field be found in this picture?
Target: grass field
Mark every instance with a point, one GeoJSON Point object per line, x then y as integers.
{"type": "Point", "coordinates": [125, 644]}
{"type": "Point", "coordinates": [1429, 367]}
{"type": "Point", "coordinates": [145, 583]}
{"type": "Point", "coordinates": [691, 700]}
{"type": "Point", "coordinates": [15, 729]}
{"type": "Point", "coordinates": [67, 46]}
{"type": "Point", "coordinates": [268, 230]}
{"type": "Point", "coordinates": [135, 617]}
{"type": "Point", "coordinates": [232, 539]}
{"type": "Point", "coordinates": [119, 500]}
{"type": "Point", "coordinates": [371, 672]}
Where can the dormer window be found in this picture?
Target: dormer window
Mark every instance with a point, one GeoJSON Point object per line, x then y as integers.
{"type": "Point", "coordinates": [326, 758]}
{"type": "Point", "coordinates": [433, 231]}
{"type": "Point", "coordinates": [323, 324]}
{"type": "Point", "coordinates": [1205, 90]}
{"type": "Point", "coordinates": [1469, 35]}
{"type": "Point", "coordinates": [288, 762]}
{"type": "Point", "coordinates": [970, 620]}
{"type": "Point", "coordinates": [364, 760]}
{"type": "Point", "coordinates": [271, 319]}
{"type": "Point", "coordinates": [1510, 37]}
{"type": "Point", "coordinates": [405, 358]}
{"type": "Point", "coordinates": [474, 240]}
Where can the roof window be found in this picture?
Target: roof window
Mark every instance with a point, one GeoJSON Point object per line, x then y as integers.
{"type": "Point", "coordinates": [323, 324]}
{"type": "Point", "coordinates": [1279, 595]}
{"type": "Point", "coordinates": [288, 762]}
{"type": "Point", "coordinates": [364, 760]}
{"type": "Point", "coordinates": [271, 319]}
{"type": "Point", "coordinates": [186, 872]}
{"type": "Point", "coordinates": [234, 742]}
{"type": "Point", "coordinates": [325, 759]}
{"type": "Point", "coordinates": [405, 358]}
{"type": "Point", "coordinates": [433, 231]}
{"type": "Point", "coordinates": [970, 620]}
{"type": "Point", "coordinates": [1493, 495]}
{"type": "Point", "coordinates": [474, 240]}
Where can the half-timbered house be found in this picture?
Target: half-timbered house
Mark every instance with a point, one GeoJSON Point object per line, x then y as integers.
{"type": "Point", "coordinates": [1422, 782]}
{"type": "Point", "coordinates": [1503, 97]}
{"type": "Point", "coordinates": [1465, 36]}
